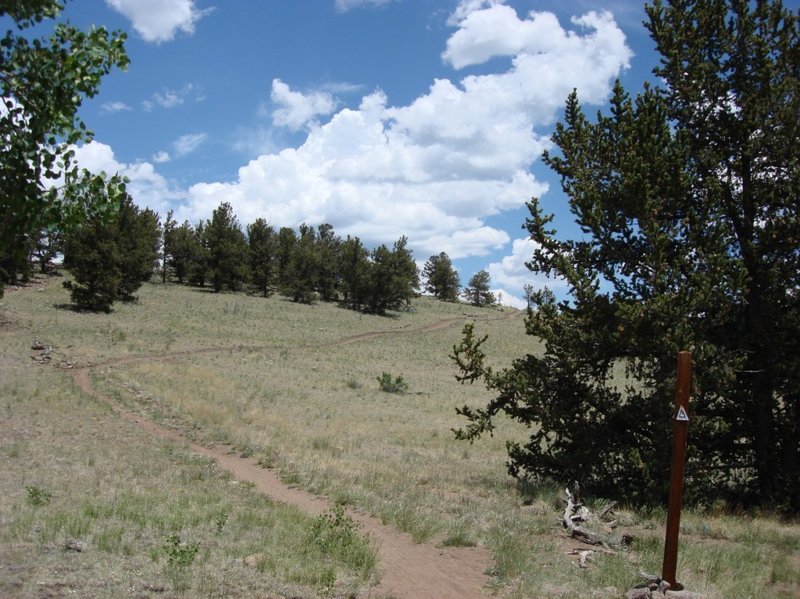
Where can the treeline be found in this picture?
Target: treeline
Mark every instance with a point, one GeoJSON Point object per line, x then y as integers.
{"type": "Point", "coordinates": [305, 265]}
{"type": "Point", "coordinates": [109, 260]}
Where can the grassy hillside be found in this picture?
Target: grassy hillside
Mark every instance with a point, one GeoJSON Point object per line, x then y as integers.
{"type": "Point", "coordinates": [295, 387]}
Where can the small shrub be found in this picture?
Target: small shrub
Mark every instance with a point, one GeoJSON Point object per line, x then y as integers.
{"type": "Point", "coordinates": [220, 521]}
{"type": "Point", "coordinates": [335, 533]}
{"type": "Point", "coordinates": [179, 555]}
{"type": "Point", "coordinates": [398, 385]}
{"type": "Point", "coordinates": [333, 529]}
{"type": "Point", "coordinates": [38, 497]}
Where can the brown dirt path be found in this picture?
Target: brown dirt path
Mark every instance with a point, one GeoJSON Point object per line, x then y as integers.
{"type": "Point", "coordinates": [408, 570]}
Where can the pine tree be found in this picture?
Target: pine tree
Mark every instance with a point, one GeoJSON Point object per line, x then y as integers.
{"type": "Point", "coordinates": [109, 261]}
{"type": "Point", "coordinates": [441, 278]}
{"type": "Point", "coordinates": [227, 250]}
{"type": "Point", "coordinates": [354, 267]}
{"type": "Point", "coordinates": [328, 275]}
{"type": "Point", "coordinates": [302, 270]}
{"type": "Point", "coordinates": [263, 255]}
{"type": "Point", "coordinates": [48, 245]}
{"type": "Point", "coordinates": [287, 240]}
{"type": "Point", "coordinates": [167, 237]}
{"type": "Point", "coordinates": [477, 290]}
{"type": "Point", "coordinates": [200, 257]}
{"type": "Point", "coordinates": [182, 249]}
{"type": "Point", "coordinates": [687, 199]}
{"type": "Point", "coordinates": [91, 256]}
{"type": "Point", "coordinates": [392, 278]}
{"type": "Point", "coordinates": [138, 239]}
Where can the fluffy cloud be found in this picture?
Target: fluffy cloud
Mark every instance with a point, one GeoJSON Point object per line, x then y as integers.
{"type": "Point", "coordinates": [161, 157]}
{"type": "Point", "coordinates": [159, 20]}
{"type": "Point", "coordinates": [296, 110]}
{"type": "Point", "coordinates": [366, 176]}
{"type": "Point", "coordinates": [146, 186]}
{"type": "Point", "coordinates": [497, 31]}
{"type": "Point", "coordinates": [504, 298]}
{"type": "Point", "coordinates": [436, 168]}
{"type": "Point", "coordinates": [511, 271]}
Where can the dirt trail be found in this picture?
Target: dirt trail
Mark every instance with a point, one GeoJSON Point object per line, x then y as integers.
{"type": "Point", "coordinates": [408, 570]}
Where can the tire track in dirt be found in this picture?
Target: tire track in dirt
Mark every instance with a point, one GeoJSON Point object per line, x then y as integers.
{"type": "Point", "coordinates": [408, 570]}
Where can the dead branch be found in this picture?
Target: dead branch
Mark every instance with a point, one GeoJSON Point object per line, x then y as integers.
{"type": "Point", "coordinates": [574, 514]}
{"type": "Point", "coordinates": [602, 514]}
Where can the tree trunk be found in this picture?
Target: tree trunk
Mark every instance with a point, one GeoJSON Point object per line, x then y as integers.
{"type": "Point", "coordinates": [762, 393]}
{"type": "Point", "coordinates": [791, 460]}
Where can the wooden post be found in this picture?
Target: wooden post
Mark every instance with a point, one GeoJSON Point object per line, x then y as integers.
{"type": "Point", "coordinates": [681, 434]}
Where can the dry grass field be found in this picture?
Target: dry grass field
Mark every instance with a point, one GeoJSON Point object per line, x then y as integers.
{"type": "Point", "coordinates": [296, 388]}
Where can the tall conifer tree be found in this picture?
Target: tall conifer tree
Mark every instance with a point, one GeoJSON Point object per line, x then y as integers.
{"type": "Point", "coordinates": [687, 199]}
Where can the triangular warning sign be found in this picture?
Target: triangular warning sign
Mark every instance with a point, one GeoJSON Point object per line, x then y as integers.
{"type": "Point", "coordinates": [682, 415]}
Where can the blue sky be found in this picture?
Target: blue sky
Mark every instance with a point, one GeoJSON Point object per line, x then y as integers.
{"type": "Point", "coordinates": [424, 118]}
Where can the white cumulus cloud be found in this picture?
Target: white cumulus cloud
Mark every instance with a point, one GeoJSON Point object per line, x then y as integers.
{"type": "Point", "coordinates": [161, 157]}
{"type": "Point", "coordinates": [159, 20]}
{"type": "Point", "coordinates": [295, 109]}
{"type": "Point", "coordinates": [512, 273]}
{"type": "Point", "coordinates": [504, 298]}
{"type": "Point", "coordinates": [146, 186]}
{"type": "Point", "coordinates": [435, 169]}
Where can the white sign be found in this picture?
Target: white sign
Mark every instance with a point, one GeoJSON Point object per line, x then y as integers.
{"type": "Point", "coordinates": [682, 415]}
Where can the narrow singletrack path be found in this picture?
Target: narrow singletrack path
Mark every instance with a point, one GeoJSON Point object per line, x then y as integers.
{"type": "Point", "coordinates": [408, 570]}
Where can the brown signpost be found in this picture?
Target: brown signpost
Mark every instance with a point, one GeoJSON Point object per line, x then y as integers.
{"type": "Point", "coordinates": [681, 435]}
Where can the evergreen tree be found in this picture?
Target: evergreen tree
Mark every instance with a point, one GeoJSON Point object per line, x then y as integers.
{"type": "Point", "coordinates": [287, 240]}
{"type": "Point", "coordinates": [687, 197]}
{"type": "Point", "coordinates": [199, 266]}
{"type": "Point", "coordinates": [392, 278]}
{"type": "Point", "coordinates": [227, 250]}
{"type": "Point", "coordinates": [477, 290]}
{"type": "Point", "coordinates": [354, 266]}
{"type": "Point", "coordinates": [47, 246]}
{"type": "Point", "coordinates": [328, 274]}
{"type": "Point", "coordinates": [109, 261]}
{"type": "Point", "coordinates": [138, 239]}
{"type": "Point", "coordinates": [407, 287]}
{"type": "Point", "coordinates": [528, 292]}
{"type": "Point", "coordinates": [263, 255]}
{"type": "Point", "coordinates": [168, 236]}
{"type": "Point", "coordinates": [91, 255]}
{"type": "Point", "coordinates": [302, 270]}
{"type": "Point", "coordinates": [442, 279]}
{"type": "Point", "coordinates": [182, 249]}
